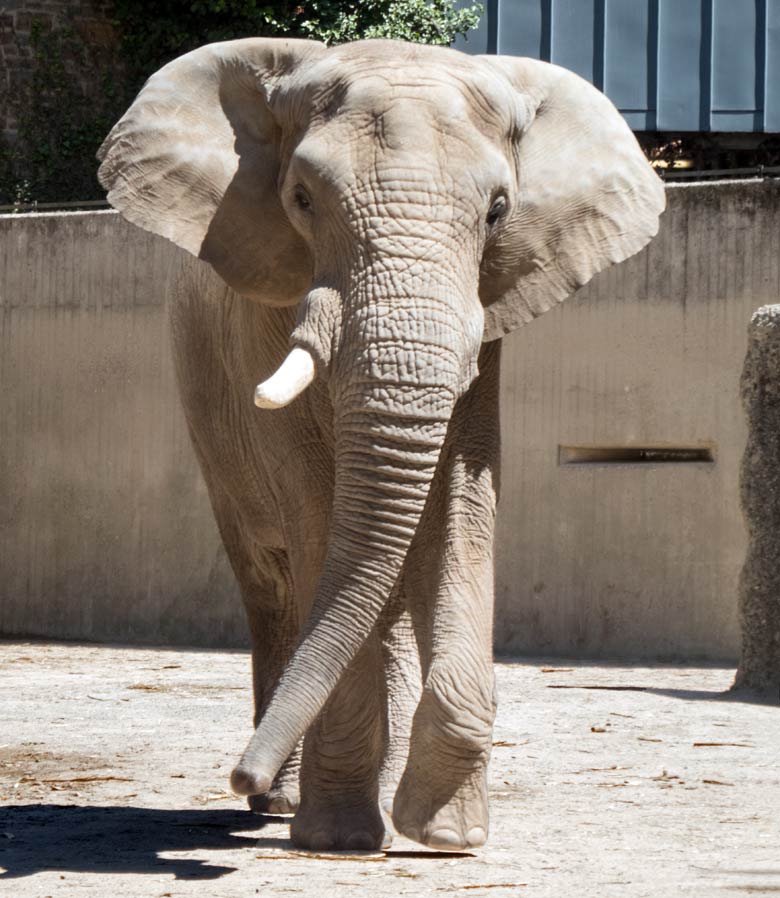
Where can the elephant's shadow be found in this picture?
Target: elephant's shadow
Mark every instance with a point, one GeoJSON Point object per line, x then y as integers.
{"type": "Point", "coordinates": [38, 837]}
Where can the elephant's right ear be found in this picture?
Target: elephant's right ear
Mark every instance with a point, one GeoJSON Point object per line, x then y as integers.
{"type": "Point", "coordinates": [196, 159]}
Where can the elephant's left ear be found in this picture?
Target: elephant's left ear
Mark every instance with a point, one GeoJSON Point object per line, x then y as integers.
{"type": "Point", "coordinates": [586, 197]}
{"type": "Point", "coordinates": [196, 159]}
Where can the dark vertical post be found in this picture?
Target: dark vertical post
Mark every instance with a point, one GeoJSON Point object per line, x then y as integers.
{"type": "Point", "coordinates": [652, 67]}
{"type": "Point", "coordinates": [761, 25]}
{"type": "Point", "coordinates": [759, 587]}
{"type": "Point", "coordinates": [492, 13]}
{"type": "Point", "coordinates": [599, 42]}
{"type": "Point", "coordinates": [705, 66]}
{"type": "Point", "coordinates": [547, 35]}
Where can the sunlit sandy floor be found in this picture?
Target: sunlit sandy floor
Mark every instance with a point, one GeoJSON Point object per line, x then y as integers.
{"type": "Point", "coordinates": [606, 780]}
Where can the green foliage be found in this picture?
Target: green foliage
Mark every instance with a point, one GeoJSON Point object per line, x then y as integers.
{"type": "Point", "coordinates": [63, 116]}
{"type": "Point", "coordinates": [421, 22]}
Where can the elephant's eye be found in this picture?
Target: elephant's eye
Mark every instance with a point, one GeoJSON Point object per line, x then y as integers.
{"type": "Point", "coordinates": [302, 199]}
{"type": "Point", "coordinates": [497, 210]}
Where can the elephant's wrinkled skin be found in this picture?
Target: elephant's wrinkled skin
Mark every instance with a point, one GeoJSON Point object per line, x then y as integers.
{"type": "Point", "coordinates": [390, 210]}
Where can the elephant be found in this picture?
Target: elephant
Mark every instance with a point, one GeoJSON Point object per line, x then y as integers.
{"type": "Point", "coordinates": [367, 221]}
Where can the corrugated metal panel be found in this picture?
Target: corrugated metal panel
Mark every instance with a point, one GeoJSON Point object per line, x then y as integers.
{"type": "Point", "coordinates": [630, 65]}
{"type": "Point", "coordinates": [521, 27]}
{"type": "Point", "coordinates": [576, 40]}
{"type": "Point", "coordinates": [736, 103]}
{"type": "Point", "coordinates": [680, 63]}
{"type": "Point", "coordinates": [669, 65]}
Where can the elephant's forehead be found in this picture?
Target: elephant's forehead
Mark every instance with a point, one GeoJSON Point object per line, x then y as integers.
{"type": "Point", "coordinates": [405, 108]}
{"type": "Point", "coordinates": [374, 92]}
{"type": "Point", "coordinates": [448, 87]}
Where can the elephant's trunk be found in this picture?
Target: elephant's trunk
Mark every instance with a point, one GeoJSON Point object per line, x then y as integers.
{"type": "Point", "coordinates": [390, 424]}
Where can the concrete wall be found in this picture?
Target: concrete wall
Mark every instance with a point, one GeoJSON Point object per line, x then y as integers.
{"type": "Point", "coordinates": [637, 559]}
{"type": "Point", "coordinates": [105, 529]}
{"type": "Point", "coordinates": [105, 526]}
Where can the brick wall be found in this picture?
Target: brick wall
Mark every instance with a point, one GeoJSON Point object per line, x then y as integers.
{"type": "Point", "coordinates": [92, 48]}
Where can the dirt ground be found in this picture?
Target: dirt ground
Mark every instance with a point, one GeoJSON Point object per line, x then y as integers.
{"type": "Point", "coordinates": [606, 780]}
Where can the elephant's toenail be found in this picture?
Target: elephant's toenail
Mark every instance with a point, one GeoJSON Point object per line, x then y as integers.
{"type": "Point", "coordinates": [411, 832]}
{"type": "Point", "coordinates": [361, 841]}
{"type": "Point", "coordinates": [475, 837]}
{"type": "Point", "coordinates": [320, 841]}
{"type": "Point", "coordinates": [445, 840]}
{"type": "Point", "coordinates": [387, 840]}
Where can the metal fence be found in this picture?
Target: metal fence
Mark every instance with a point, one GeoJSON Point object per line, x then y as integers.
{"type": "Point", "coordinates": [668, 65]}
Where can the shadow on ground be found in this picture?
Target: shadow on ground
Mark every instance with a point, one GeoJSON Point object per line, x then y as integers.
{"type": "Point", "coordinates": [39, 837]}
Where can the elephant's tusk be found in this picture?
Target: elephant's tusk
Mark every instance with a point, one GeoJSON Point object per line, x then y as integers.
{"type": "Point", "coordinates": [291, 378]}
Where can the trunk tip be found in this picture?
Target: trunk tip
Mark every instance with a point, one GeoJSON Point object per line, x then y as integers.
{"type": "Point", "coordinates": [244, 781]}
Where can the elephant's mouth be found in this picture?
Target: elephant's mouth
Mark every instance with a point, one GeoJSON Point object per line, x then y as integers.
{"type": "Point", "coordinates": [443, 358]}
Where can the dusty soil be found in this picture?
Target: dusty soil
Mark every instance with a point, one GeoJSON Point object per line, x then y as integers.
{"type": "Point", "coordinates": [606, 780]}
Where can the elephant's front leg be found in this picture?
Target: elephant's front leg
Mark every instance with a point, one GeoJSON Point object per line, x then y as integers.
{"type": "Point", "coordinates": [274, 622]}
{"type": "Point", "coordinates": [273, 628]}
{"type": "Point", "coordinates": [442, 797]}
{"type": "Point", "coordinates": [342, 754]}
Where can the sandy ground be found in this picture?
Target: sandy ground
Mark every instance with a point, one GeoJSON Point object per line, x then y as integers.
{"type": "Point", "coordinates": [606, 780]}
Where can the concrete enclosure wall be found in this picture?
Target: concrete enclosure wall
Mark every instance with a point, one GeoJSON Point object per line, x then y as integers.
{"type": "Point", "coordinates": [105, 527]}
{"type": "Point", "coordinates": [643, 558]}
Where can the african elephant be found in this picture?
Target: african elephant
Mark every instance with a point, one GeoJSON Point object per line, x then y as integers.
{"type": "Point", "coordinates": [374, 217]}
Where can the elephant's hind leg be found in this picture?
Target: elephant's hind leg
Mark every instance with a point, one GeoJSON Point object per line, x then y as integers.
{"type": "Point", "coordinates": [227, 440]}
{"type": "Point", "coordinates": [266, 589]}
{"type": "Point", "coordinates": [273, 626]}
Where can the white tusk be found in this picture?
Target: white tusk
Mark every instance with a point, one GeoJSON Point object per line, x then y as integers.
{"type": "Point", "coordinates": [290, 380]}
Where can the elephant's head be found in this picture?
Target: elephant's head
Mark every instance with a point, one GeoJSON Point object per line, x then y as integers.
{"type": "Point", "coordinates": [415, 202]}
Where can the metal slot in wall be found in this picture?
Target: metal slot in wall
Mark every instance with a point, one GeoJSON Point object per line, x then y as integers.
{"type": "Point", "coordinates": [635, 455]}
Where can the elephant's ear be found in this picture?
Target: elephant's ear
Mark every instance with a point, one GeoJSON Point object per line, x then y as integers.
{"type": "Point", "coordinates": [586, 196]}
{"type": "Point", "coordinates": [196, 159]}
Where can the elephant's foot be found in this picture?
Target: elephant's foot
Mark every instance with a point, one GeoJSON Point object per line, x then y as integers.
{"type": "Point", "coordinates": [428, 810]}
{"type": "Point", "coordinates": [338, 827]}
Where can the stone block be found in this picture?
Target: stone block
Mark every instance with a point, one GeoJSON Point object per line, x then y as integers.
{"type": "Point", "coordinates": [759, 586]}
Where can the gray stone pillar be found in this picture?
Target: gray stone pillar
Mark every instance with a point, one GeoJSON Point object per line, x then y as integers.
{"type": "Point", "coordinates": [759, 588]}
